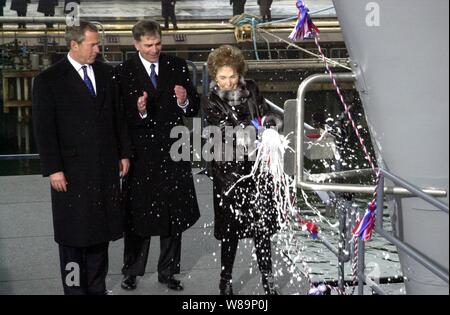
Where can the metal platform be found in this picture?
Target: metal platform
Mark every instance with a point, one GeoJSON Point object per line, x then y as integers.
{"type": "Point", "coordinates": [201, 23]}
{"type": "Point", "coordinates": [186, 9]}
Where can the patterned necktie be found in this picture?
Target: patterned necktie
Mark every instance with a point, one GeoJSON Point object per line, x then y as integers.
{"type": "Point", "coordinates": [88, 81]}
{"type": "Point", "coordinates": [153, 76]}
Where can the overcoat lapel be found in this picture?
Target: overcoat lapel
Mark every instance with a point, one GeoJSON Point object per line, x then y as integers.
{"type": "Point", "coordinates": [73, 80]}
{"type": "Point", "coordinates": [163, 77]}
{"type": "Point", "coordinates": [143, 76]}
{"type": "Point", "coordinates": [100, 80]}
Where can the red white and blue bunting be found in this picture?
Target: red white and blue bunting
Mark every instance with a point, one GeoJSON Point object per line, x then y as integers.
{"type": "Point", "coordinates": [305, 27]}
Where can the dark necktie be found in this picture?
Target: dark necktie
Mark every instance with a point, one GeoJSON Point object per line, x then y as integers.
{"type": "Point", "coordinates": [153, 76]}
{"type": "Point", "coordinates": [88, 81]}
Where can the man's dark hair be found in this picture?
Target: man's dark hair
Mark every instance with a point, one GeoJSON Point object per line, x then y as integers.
{"type": "Point", "coordinates": [146, 28]}
{"type": "Point", "coordinates": [77, 33]}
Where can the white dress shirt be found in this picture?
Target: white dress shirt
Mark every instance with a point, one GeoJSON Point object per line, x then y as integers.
{"type": "Point", "coordinates": [79, 68]}
{"type": "Point", "coordinates": [148, 66]}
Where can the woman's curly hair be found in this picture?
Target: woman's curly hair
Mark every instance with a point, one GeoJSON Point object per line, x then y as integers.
{"type": "Point", "coordinates": [226, 56]}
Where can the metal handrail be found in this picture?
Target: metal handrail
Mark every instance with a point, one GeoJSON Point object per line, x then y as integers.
{"type": "Point", "coordinates": [349, 241]}
{"type": "Point", "coordinates": [62, 20]}
{"type": "Point", "coordinates": [415, 190]}
{"type": "Point", "coordinates": [103, 37]}
{"type": "Point", "coordinates": [341, 174]}
{"type": "Point", "coordinates": [338, 252]}
{"type": "Point", "coordinates": [300, 182]}
{"type": "Point", "coordinates": [433, 267]}
{"type": "Point", "coordinates": [409, 250]}
{"type": "Point", "coordinates": [405, 189]}
{"type": "Point", "coordinates": [31, 20]}
{"type": "Point", "coordinates": [277, 109]}
{"type": "Point", "coordinates": [205, 79]}
{"type": "Point", "coordinates": [14, 157]}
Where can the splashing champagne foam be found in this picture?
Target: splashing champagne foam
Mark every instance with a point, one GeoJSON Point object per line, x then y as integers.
{"type": "Point", "coordinates": [268, 173]}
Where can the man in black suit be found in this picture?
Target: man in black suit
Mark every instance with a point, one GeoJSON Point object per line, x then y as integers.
{"type": "Point", "coordinates": [160, 195]}
{"type": "Point", "coordinates": [21, 7]}
{"type": "Point", "coordinates": [238, 6]}
{"type": "Point", "coordinates": [265, 10]}
{"type": "Point", "coordinates": [2, 5]}
{"type": "Point", "coordinates": [168, 11]}
{"type": "Point", "coordinates": [47, 7]}
{"type": "Point", "coordinates": [84, 149]}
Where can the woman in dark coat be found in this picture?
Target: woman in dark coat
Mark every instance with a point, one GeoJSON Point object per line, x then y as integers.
{"type": "Point", "coordinates": [21, 7]}
{"type": "Point", "coordinates": [47, 7]}
{"type": "Point", "coordinates": [235, 102]}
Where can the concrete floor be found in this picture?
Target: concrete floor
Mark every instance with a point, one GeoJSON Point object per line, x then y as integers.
{"type": "Point", "coordinates": [29, 261]}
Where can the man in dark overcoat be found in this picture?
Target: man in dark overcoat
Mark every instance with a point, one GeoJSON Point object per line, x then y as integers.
{"type": "Point", "coordinates": [47, 7]}
{"type": "Point", "coordinates": [160, 195]}
{"type": "Point", "coordinates": [84, 149]}
{"type": "Point", "coordinates": [168, 11]}
{"type": "Point", "coordinates": [2, 5]}
{"type": "Point", "coordinates": [21, 7]}
{"type": "Point", "coordinates": [265, 9]}
{"type": "Point", "coordinates": [238, 6]}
